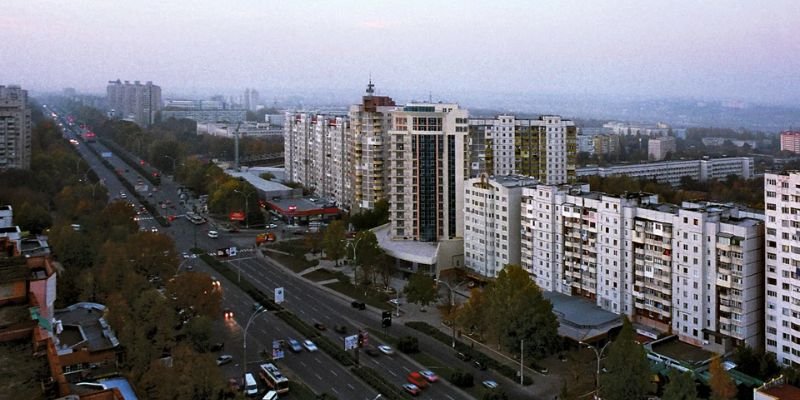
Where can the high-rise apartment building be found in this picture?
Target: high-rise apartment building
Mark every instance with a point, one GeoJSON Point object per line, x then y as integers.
{"type": "Point", "coordinates": [790, 141]}
{"type": "Point", "coordinates": [250, 99]}
{"type": "Point", "coordinates": [492, 223]}
{"type": "Point", "coordinates": [135, 101]}
{"type": "Point", "coordinates": [15, 128]}
{"type": "Point", "coordinates": [659, 148]}
{"type": "Point", "coordinates": [317, 154]}
{"type": "Point", "coordinates": [426, 172]}
{"type": "Point", "coordinates": [696, 270]}
{"type": "Point", "coordinates": [544, 148]}
{"type": "Point", "coordinates": [782, 204]}
{"type": "Point", "coordinates": [369, 128]}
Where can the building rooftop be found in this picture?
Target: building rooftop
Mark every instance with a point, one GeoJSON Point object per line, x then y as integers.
{"type": "Point", "coordinates": [679, 351]}
{"type": "Point", "coordinates": [782, 392]}
{"type": "Point", "coordinates": [512, 181]}
{"type": "Point", "coordinates": [82, 324]}
{"type": "Point", "coordinates": [580, 319]}
{"type": "Point", "coordinates": [259, 183]}
{"type": "Point", "coordinates": [409, 250]}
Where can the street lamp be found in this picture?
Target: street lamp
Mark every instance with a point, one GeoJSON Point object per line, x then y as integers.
{"type": "Point", "coordinates": [246, 209]}
{"type": "Point", "coordinates": [599, 355]}
{"type": "Point", "coordinates": [253, 316]}
{"type": "Point", "coordinates": [452, 305]}
{"type": "Point", "coordinates": [354, 245]}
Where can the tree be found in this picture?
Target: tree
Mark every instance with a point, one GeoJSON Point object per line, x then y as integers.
{"type": "Point", "coordinates": [368, 254]}
{"type": "Point", "coordinates": [195, 290]}
{"type": "Point", "coordinates": [421, 289]}
{"type": "Point", "coordinates": [722, 386]}
{"type": "Point", "coordinates": [334, 240]}
{"type": "Point", "coordinates": [267, 176]}
{"type": "Point", "coordinates": [629, 370]}
{"type": "Point", "coordinates": [494, 395]}
{"type": "Point", "coordinates": [681, 386]}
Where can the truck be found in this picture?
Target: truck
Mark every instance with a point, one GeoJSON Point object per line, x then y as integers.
{"type": "Point", "coordinates": [265, 237]}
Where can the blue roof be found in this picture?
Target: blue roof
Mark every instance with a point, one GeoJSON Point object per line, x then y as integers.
{"type": "Point", "coordinates": [122, 385]}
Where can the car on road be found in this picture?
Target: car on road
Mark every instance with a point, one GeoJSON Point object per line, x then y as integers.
{"type": "Point", "coordinates": [294, 345]}
{"type": "Point", "coordinates": [417, 379]}
{"type": "Point", "coordinates": [372, 352]}
{"type": "Point", "coordinates": [224, 359]}
{"type": "Point", "coordinates": [309, 345]}
{"type": "Point", "coordinates": [213, 234]}
{"type": "Point", "coordinates": [228, 313]}
{"type": "Point", "coordinates": [429, 376]}
{"type": "Point", "coordinates": [481, 365]}
{"type": "Point", "coordinates": [412, 389]}
{"type": "Point", "coordinates": [395, 302]}
{"type": "Point", "coordinates": [217, 346]}
{"type": "Point", "coordinates": [320, 326]}
{"type": "Point", "coordinates": [358, 305]}
{"type": "Point", "coordinates": [386, 349]}
{"type": "Point", "coordinates": [154, 229]}
{"type": "Point", "coordinates": [185, 254]}
{"type": "Point", "coordinates": [463, 356]}
{"type": "Point", "coordinates": [340, 328]}
{"type": "Point", "coordinates": [272, 226]}
{"type": "Point", "coordinates": [123, 196]}
{"type": "Point", "coordinates": [489, 384]}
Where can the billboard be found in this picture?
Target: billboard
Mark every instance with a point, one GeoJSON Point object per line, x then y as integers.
{"type": "Point", "coordinates": [350, 342]}
{"type": "Point", "coordinates": [277, 350]}
{"type": "Point", "coordinates": [279, 295]}
{"type": "Point", "coordinates": [236, 216]}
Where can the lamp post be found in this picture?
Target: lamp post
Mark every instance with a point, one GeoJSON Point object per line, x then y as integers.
{"type": "Point", "coordinates": [253, 316]}
{"type": "Point", "coordinates": [246, 209]}
{"type": "Point", "coordinates": [452, 305]}
{"type": "Point", "coordinates": [354, 245]}
{"type": "Point", "coordinates": [599, 355]}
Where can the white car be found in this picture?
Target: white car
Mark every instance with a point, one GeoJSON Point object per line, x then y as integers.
{"type": "Point", "coordinates": [213, 234]}
{"type": "Point", "coordinates": [224, 359]}
{"type": "Point", "coordinates": [309, 345]}
{"type": "Point", "coordinates": [272, 226]}
{"type": "Point", "coordinates": [386, 349]}
{"type": "Point", "coordinates": [489, 384]}
{"type": "Point", "coordinates": [154, 229]}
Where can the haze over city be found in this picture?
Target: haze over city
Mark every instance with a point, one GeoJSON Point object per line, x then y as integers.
{"type": "Point", "coordinates": [734, 50]}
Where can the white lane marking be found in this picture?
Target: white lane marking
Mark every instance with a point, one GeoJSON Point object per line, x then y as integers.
{"type": "Point", "coordinates": [391, 372]}
{"type": "Point", "coordinates": [407, 370]}
{"type": "Point", "coordinates": [303, 364]}
{"type": "Point", "coordinates": [449, 397]}
{"type": "Point", "coordinates": [318, 361]}
{"type": "Point", "coordinates": [334, 390]}
{"type": "Point", "coordinates": [318, 377]}
{"type": "Point", "coordinates": [351, 387]}
{"type": "Point", "coordinates": [334, 373]}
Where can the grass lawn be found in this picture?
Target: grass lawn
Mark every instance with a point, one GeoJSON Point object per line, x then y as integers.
{"type": "Point", "coordinates": [320, 275]}
{"type": "Point", "coordinates": [294, 263]}
{"type": "Point", "coordinates": [379, 300]}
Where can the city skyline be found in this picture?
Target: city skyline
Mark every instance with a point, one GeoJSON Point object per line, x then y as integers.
{"type": "Point", "coordinates": [713, 50]}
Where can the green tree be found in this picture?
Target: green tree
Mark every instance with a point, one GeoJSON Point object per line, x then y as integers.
{"type": "Point", "coordinates": [334, 240]}
{"type": "Point", "coordinates": [267, 176]}
{"type": "Point", "coordinates": [681, 386]}
{"type": "Point", "coordinates": [629, 370]}
{"type": "Point", "coordinates": [32, 217]}
{"type": "Point", "coordinates": [368, 254]}
{"type": "Point", "coordinates": [722, 386]}
{"type": "Point", "coordinates": [421, 289]}
{"type": "Point", "coordinates": [494, 395]}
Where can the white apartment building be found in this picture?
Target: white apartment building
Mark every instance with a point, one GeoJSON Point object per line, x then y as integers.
{"type": "Point", "coordinates": [369, 128]}
{"type": "Point", "coordinates": [491, 223]}
{"type": "Point", "coordinates": [134, 101]}
{"type": "Point", "coordinates": [544, 148]}
{"type": "Point", "coordinates": [782, 208]}
{"type": "Point", "coordinates": [427, 171]}
{"type": "Point", "coordinates": [672, 171]}
{"type": "Point", "coordinates": [695, 270]}
{"type": "Point", "coordinates": [15, 128]}
{"type": "Point", "coordinates": [658, 148]}
{"type": "Point", "coordinates": [317, 155]}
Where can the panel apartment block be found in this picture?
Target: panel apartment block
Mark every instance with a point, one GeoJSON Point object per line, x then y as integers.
{"type": "Point", "coordinates": [544, 148]}
{"type": "Point", "coordinates": [15, 128]}
{"type": "Point", "coordinates": [134, 101]}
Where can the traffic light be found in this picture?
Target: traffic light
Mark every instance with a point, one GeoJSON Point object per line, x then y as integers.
{"type": "Point", "coordinates": [386, 319]}
{"type": "Point", "coordinates": [360, 339]}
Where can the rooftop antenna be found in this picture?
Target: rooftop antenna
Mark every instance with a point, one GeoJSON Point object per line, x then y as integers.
{"type": "Point", "coordinates": [370, 86]}
{"type": "Point", "coordinates": [430, 97]}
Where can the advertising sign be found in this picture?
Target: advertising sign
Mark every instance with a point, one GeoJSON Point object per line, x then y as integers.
{"type": "Point", "coordinates": [279, 295]}
{"type": "Point", "coordinates": [277, 351]}
{"type": "Point", "coordinates": [236, 216]}
{"type": "Point", "coordinates": [350, 342]}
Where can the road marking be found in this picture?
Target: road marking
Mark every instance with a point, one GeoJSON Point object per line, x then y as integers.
{"type": "Point", "coordinates": [334, 390]}
{"type": "Point", "coordinates": [351, 387]}
{"type": "Point", "coordinates": [318, 361]}
{"type": "Point", "coordinates": [449, 397]}
{"type": "Point", "coordinates": [407, 370]}
{"type": "Point", "coordinates": [303, 364]}
{"type": "Point", "coordinates": [318, 377]}
{"type": "Point", "coordinates": [391, 372]}
{"type": "Point", "coordinates": [334, 373]}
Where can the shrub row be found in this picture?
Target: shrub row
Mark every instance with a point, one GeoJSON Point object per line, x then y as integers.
{"type": "Point", "coordinates": [149, 207]}
{"type": "Point", "coordinates": [503, 369]}
{"type": "Point", "coordinates": [123, 155]}
{"type": "Point", "coordinates": [379, 383]}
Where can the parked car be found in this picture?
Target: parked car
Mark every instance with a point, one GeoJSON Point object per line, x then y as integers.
{"type": "Point", "coordinates": [479, 365]}
{"type": "Point", "coordinates": [320, 326]}
{"type": "Point", "coordinates": [412, 389]}
{"type": "Point", "coordinates": [224, 359]}
{"type": "Point", "coordinates": [213, 234]}
{"type": "Point", "coordinates": [386, 349]}
{"type": "Point", "coordinates": [294, 345]}
{"type": "Point", "coordinates": [489, 384]}
{"type": "Point", "coordinates": [463, 356]}
{"type": "Point", "coordinates": [309, 345]}
{"type": "Point", "coordinates": [272, 226]}
{"type": "Point", "coordinates": [217, 346]}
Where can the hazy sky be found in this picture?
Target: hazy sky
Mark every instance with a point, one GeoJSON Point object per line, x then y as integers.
{"type": "Point", "coordinates": [731, 49]}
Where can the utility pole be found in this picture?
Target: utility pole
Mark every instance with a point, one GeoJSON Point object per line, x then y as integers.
{"type": "Point", "coordinates": [236, 146]}
{"type": "Point", "coordinates": [521, 357]}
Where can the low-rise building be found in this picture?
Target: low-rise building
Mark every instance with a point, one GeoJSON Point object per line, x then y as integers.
{"type": "Point", "coordinates": [672, 171]}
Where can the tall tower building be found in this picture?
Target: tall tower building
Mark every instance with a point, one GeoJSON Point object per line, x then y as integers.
{"type": "Point", "coordinates": [426, 172]}
{"type": "Point", "coordinates": [15, 128]}
{"type": "Point", "coordinates": [134, 101]}
{"type": "Point", "coordinates": [250, 99]}
{"type": "Point", "coordinates": [370, 122]}
{"type": "Point", "coordinates": [782, 208]}
{"type": "Point", "coordinates": [544, 148]}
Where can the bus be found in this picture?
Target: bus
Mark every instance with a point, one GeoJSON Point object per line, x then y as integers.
{"type": "Point", "coordinates": [274, 378]}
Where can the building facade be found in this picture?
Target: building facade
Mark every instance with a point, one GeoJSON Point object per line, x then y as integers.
{"type": "Point", "coordinates": [317, 154]}
{"type": "Point", "coordinates": [370, 122]}
{"type": "Point", "coordinates": [15, 128]}
{"type": "Point", "coordinates": [134, 101]}
{"type": "Point", "coordinates": [426, 173]}
{"type": "Point", "coordinates": [672, 171]}
{"type": "Point", "coordinates": [790, 141]}
{"type": "Point", "coordinates": [544, 148]}
{"type": "Point", "coordinates": [659, 148]}
{"type": "Point", "coordinates": [492, 223]}
{"type": "Point", "coordinates": [696, 270]}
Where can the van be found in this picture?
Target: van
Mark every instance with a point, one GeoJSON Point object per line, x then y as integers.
{"type": "Point", "coordinates": [250, 386]}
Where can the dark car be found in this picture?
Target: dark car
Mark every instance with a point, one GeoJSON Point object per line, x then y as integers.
{"type": "Point", "coordinates": [359, 305]}
{"type": "Point", "coordinates": [217, 346]}
{"type": "Point", "coordinates": [481, 365]}
{"type": "Point", "coordinates": [372, 352]}
{"type": "Point", "coordinates": [463, 356]}
{"type": "Point", "coordinates": [320, 326]}
{"type": "Point", "coordinates": [340, 329]}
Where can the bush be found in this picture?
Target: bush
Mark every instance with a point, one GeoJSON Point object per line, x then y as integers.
{"type": "Point", "coordinates": [408, 344]}
{"type": "Point", "coordinates": [462, 379]}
